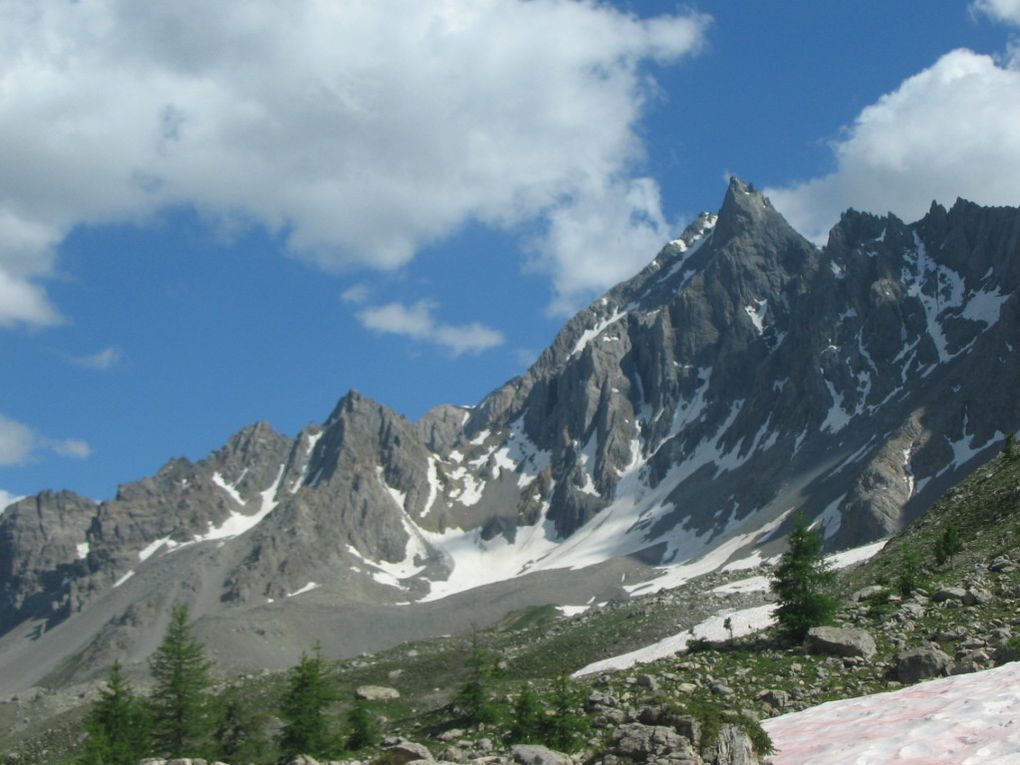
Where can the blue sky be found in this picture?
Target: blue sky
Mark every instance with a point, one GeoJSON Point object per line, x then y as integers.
{"type": "Point", "coordinates": [212, 219]}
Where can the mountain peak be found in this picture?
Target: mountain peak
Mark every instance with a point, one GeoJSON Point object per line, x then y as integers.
{"type": "Point", "coordinates": [745, 211]}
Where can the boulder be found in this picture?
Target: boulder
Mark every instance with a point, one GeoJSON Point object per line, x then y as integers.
{"type": "Point", "coordinates": [534, 754]}
{"type": "Point", "coordinates": [842, 641]}
{"type": "Point", "coordinates": [721, 688]}
{"type": "Point", "coordinates": [402, 752]}
{"type": "Point", "coordinates": [649, 682]}
{"type": "Point", "coordinates": [944, 594]}
{"type": "Point", "coordinates": [597, 700]}
{"type": "Point", "coordinates": [376, 693]}
{"type": "Point", "coordinates": [1002, 565]}
{"type": "Point", "coordinates": [649, 743]}
{"type": "Point", "coordinates": [868, 593]}
{"type": "Point", "coordinates": [912, 611]}
{"type": "Point", "coordinates": [976, 596]}
{"type": "Point", "coordinates": [921, 664]}
{"type": "Point", "coordinates": [775, 698]}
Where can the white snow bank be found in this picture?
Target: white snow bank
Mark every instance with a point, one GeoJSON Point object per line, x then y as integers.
{"type": "Point", "coordinates": [744, 622]}
{"type": "Point", "coordinates": [855, 554]}
{"type": "Point", "coordinates": [307, 588]}
{"type": "Point", "coordinates": [575, 610]}
{"type": "Point", "coordinates": [123, 579]}
{"type": "Point", "coordinates": [751, 584]}
{"type": "Point", "coordinates": [956, 720]}
{"type": "Point", "coordinates": [836, 560]}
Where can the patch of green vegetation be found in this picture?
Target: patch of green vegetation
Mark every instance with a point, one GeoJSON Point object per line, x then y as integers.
{"type": "Point", "coordinates": [537, 617]}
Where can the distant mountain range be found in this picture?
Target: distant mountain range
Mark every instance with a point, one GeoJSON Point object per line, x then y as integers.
{"type": "Point", "coordinates": [677, 420]}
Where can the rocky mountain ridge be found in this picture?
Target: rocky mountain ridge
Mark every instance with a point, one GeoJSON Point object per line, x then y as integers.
{"type": "Point", "coordinates": [742, 373]}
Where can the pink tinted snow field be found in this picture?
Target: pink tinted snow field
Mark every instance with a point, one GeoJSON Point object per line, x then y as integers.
{"type": "Point", "coordinates": [957, 720]}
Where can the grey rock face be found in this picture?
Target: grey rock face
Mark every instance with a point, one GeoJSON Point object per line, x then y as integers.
{"type": "Point", "coordinates": [922, 664]}
{"type": "Point", "coordinates": [842, 641]}
{"type": "Point", "coordinates": [44, 553]}
{"type": "Point", "coordinates": [733, 747]}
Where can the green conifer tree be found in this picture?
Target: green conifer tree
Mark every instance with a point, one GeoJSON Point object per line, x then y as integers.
{"type": "Point", "coordinates": [116, 726]}
{"type": "Point", "coordinates": [475, 699]}
{"type": "Point", "coordinates": [948, 545]}
{"type": "Point", "coordinates": [801, 583]}
{"type": "Point", "coordinates": [364, 732]}
{"type": "Point", "coordinates": [528, 718]}
{"type": "Point", "coordinates": [567, 726]}
{"type": "Point", "coordinates": [178, 704]}
{"type": "Point", "coordinates": [307, 728]}
{"type": "Point", "coordinates": [910, 573]}
{"type": "Point", "coordinates": [238, 733]}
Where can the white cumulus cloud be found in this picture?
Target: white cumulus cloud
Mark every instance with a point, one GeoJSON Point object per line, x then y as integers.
{"type": "Point", "coordinates": [418, 322]}
{"type": "Point", "coordinates": [101, 360]}
{"type": "Point", "coordinates": [7, 499]}
{"type": "Point", "coordinates": [604, 236]}
{"type": "Point", "coordinates": [360, 131]}
{"type": "Point", "coordinates": [19, 443]}
{"type": "Point", "coordinates": [949, 131]}
{"type": "Point", "coordinates": [1001, 10]}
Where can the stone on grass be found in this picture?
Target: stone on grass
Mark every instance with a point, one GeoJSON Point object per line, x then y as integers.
{"type": "Point", "coordinates": [922, 664]}
{"type": "Point", "coordinates": [868, 593]}
{"type": "Point", "coordinates": [842, 641]}
{"type": "Point", "coordinates": [945, 594]}
{"type": "Point", "coordinates": [403, 752]}
{"type": "Point", "coordinates": [534, 754]}
{"type": "Point", "coordinates": [376, 693]}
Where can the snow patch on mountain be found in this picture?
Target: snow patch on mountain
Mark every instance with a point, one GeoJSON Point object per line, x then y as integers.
{"type": "Point", "coordinates": [432, 476]}
{"type": "Point", "coordinates": [756, 313]}
{"type": "Point", "coordinates": [475, 561]}
{"type": "Point", "coordinates": [238, 523]}
{"type": "Point", "coordinates": [307, 588]}
{"type": "Point", "coordinates": [398, 496]}
{"type": "Point", "coordinates": [743, 622]}
{"type": "Point", "coordinates": [229, 488]}
{"type": "Point", "coordinates": [303, 475]}
{"type": "Point", "coordinates": [590, 334]}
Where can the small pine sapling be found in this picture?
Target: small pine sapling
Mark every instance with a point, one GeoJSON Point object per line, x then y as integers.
{"type": "Point", "coordinates": [801, 583]}
{"type": "Point", "coordinates": [364, 731]}
{"type": "Point", "coordinates": [528, 718]}
{"type": "Point", "coordinates": [948, 545]}
{"type": "Point", "coordinates": [566, 726]}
